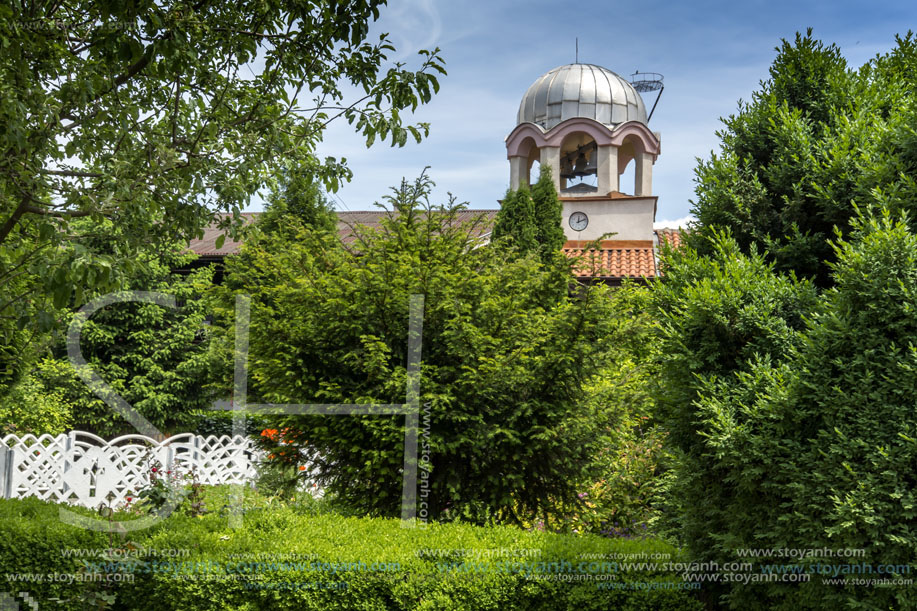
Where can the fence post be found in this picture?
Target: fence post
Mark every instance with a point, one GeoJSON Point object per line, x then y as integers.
{"type": "Point", "coordinates": [195, 457]}
{"type": "Point", "coordinates": [7, 458]}
{"type": "Point", "coordinates": [69, 443]}
{"type": "Point", "coordinates": [240, 454]}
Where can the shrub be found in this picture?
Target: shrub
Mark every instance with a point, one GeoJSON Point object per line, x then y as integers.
{"type": "Point", "coordinates": [28, 407]}
{"type": "Point", "coordinates": [814, 141]}
{"type": "Point", "coordinates": [631, 469]}
{"type": "Point", "coordinates": [623, 491]}
{"type": "Point", "coordinates": [846, 423]}
{"type": "Point", "coordinates": [32, 538]}
{"type": "Point", "coordinates": [218, 423]}
{"type": "Point", "coordinates": [154, 357]}
{"type": "Point", "coordinates": [507, 353]}
{"type": "Point", "coordinates": [718, 317]}
{"type": "Point", "coordinates": [280, 559]}
{"type": "Point", "coordinates": [628, 499]}
{"type": "Point", "coordinates": [812, 449]}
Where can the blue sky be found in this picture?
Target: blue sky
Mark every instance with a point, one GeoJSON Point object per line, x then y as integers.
{"type": "Point", "coordinates": [711, 53]}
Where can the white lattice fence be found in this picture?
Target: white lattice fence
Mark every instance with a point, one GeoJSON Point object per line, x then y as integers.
{"type": "Point", "coordinates": [83, 469]}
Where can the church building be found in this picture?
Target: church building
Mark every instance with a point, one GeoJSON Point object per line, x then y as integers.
{"type": "Point", "coordinates": [586, 124]}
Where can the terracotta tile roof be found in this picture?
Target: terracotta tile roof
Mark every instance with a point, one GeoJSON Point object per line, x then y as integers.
{"type": "Point", "coordinates": [620, 259]}
{"type": "Point", "coordinates": [672, 236]}
{"type": "Point", "coordinates": [614, 262]}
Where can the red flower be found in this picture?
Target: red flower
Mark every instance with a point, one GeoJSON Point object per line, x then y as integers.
{"type": "Point", "coordinates": [154, 469]}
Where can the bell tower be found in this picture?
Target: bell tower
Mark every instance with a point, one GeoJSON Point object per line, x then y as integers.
{"type": "Point", "coordinates": [587, 124]}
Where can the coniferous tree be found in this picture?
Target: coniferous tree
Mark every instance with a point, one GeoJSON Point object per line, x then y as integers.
{"type": "Point", "coordinates": [549, 232]}
{"type": "Point", "coordinates": [816, 141]}
{"type": "Point", "coordinates": [152, 356]}
{"type": "Point", "coordinates": [300, 196]}
{"type": "Point", "coordinates": [516, 220]}
{"type": "Point", "coordinates": [331, 323]}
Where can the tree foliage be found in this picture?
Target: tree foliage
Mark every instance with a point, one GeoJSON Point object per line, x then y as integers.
{"type": "Point", "coordinates": [298, 196]}
{"type": "Point", "coordinates": [623, 492]}
{"type": "Point", "coordinates": [155, 115]}
{"type": "Point", "coordinates": [790, 402]}
{"type": "Point", "coordinates": [794, 413]}
{"type": "Point", "coordinates": [815, 140]}
{"type": "Point", "coordinates": [154, 357]}
{"type": "Point", "coordinates": [531, 219]}
{"type": "Point", "coordinates": [718, 316]}
{"type": "Point", "coordinates": [548, 214]}
{"type": "Point", "coordinates": [515, 222]}
{"type": "Point", "coordinates": [29, 407]}
{"type": "Point", "coordinates": [506, 358]}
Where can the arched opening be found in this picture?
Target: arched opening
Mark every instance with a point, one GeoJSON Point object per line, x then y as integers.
{"type": "Point", "coordinates": [534, 170]}
{"type": "Point", "coordinates": [520, 162]}
{"type": "Point", "coordinates": [626, 177]}
{"type": "Point", "coordinates": [578, 163]}
{"type": "Point", "coordinates": [630, 155]}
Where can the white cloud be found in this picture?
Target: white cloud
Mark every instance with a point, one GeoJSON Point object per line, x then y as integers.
{"type": "Point", "coordinates": [412, 25]}
{"type": "Point", "coordinates": [681, 223]}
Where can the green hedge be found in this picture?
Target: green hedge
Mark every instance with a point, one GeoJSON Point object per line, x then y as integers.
{"type": "Point", "coordinates": [798, 430]}
{"type": "Point", "coordinates": [31, 538]}
{"type": "Point", "coordinates": [427, 567]}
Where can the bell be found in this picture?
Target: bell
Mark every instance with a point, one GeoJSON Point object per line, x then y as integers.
{"type": "Point", "coordinates": [592, 167]}
{"type": "Point", "coordinates": [581, 167]}
{"type": "Point", "coordinates": [566, 168]}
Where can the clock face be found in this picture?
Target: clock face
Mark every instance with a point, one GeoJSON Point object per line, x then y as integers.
{"type": "Point", "coordinates": [578, 221]}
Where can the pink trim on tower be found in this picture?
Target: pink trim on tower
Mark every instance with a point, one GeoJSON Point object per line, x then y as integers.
{"type": "Point", "coordinates": [520, 141]}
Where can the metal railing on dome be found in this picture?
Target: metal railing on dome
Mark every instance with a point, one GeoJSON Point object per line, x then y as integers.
{"type": "Point", "coordinates": [646, 81]}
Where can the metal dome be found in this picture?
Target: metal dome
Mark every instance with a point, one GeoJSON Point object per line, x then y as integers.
{"type": "Point", "coordinates": [581, 90]}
